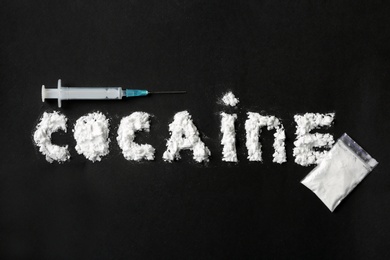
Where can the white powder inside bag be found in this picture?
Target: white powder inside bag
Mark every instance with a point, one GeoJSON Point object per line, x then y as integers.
{"type": "Point", "coordinates": [253, 126]}
{"type": "Point", "coordinates": [305, 143]}
{"type": "Point", "coordinates": [129, 125]}
{"type": "Point", "coordinates": [342, 168]}
{"type": "Point", "coordinates": [91, 134]}
{"type": "Point", "coordinates": [228, 137]}
{"type": "Point", "coordinates": [49, 124]}
{"type": "Point", "coordinates": [229, 99]}
{"type": "Point", "coordinates": [185, 136]}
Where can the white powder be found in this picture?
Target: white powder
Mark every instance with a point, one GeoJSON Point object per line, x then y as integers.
{"type": "Point", "coordinates": [185, 136]}
{"type": "Point", "coordinates": [253, 126]}
{"type": "Point", "coordinates": [129, 125]}
{"type": "Point", "coordinates": [49, 124]}
{"type": "Point", "coordinates": [305, 143]}
{"type": "Point", "coordinates": [228, 137]}
{"type": "Point", "coordinates": [229, 99]}
{"type": "Point", "coordinates": [91, 134]}
{"type": "Point", "coordinates": [279, 156]}
{"type": "Point", "coordinates": [341, 169]}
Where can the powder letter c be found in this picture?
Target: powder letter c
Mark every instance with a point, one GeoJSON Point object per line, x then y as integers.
{"type": "Point", "coordinates": [129, 125]}
{"type": "Point", "coordinates": [49, 124]}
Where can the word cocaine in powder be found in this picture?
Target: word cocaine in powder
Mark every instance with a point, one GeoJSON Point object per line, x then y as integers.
{"type": "Point", "coordinates": [91, 133]}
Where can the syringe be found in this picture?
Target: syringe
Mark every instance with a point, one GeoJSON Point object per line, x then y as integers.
{"type": "Point", "coordinates": [92, 93]}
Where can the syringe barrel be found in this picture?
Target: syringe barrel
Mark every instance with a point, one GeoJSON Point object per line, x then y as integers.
{"type": "Point", "coordinates": [67, 93]}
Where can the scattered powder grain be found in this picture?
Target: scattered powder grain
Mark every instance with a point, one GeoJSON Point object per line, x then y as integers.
{"type": "Point", "coordinates": [229, 99]}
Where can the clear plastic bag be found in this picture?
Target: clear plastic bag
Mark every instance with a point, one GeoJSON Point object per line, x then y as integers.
{"type": "Point", "coordinates": [342, 169]}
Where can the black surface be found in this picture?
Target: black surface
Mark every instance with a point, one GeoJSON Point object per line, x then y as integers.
{"type": "Point", "coordinates": [278, 57]}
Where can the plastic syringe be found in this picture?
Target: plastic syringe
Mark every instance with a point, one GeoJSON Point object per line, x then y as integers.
{"type": "Point", "coordinates": [94, 93]}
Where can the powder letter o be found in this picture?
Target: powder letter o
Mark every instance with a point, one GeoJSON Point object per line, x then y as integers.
{"type": "Point", "coordinates": [91, 134]}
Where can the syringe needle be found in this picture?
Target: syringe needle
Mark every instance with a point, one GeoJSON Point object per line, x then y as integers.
{"type": "Point", "coordinates": [168, 92]}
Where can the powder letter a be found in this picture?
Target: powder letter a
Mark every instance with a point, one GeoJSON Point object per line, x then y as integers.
{"type": "Point", "coordinates": [185, 136]}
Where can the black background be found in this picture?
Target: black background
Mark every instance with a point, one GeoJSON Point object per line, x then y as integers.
{"type": "Point", "coordinates": [279, 57]}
